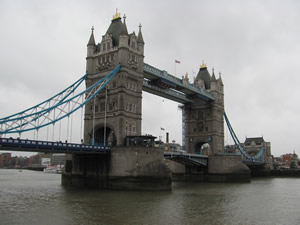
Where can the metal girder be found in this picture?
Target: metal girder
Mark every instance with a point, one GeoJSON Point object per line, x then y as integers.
{"type": "Point", "coordinates": [153, 74]}
{"type": "Point", "coordinates": [54, 109]}
{"type": "Point", "coordinates": [187, 158]}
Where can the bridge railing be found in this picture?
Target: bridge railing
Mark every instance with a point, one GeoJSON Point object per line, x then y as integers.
{"type": "Point", "coordinates": [187, 158]}
{"type": "Point", "coordinates": [188, 155]}
{"type": "Point", "coordinates": [40, 145]}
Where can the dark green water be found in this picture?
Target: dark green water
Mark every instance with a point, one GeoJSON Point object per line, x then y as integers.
{"type": "Point", "coordinates": [31, 197]}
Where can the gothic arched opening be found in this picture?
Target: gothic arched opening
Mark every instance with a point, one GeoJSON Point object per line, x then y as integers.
{"type": "Point", "coordinates": [202, 148]}
{"type": "Point", "coordinates": [106, 134]}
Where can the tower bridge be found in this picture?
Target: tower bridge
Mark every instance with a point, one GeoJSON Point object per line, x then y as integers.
{"type": "Point", "coordinates": [112, 102]}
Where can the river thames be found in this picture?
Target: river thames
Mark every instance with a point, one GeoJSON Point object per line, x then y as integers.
{"type": "Point", "coordinates": [31, 197]}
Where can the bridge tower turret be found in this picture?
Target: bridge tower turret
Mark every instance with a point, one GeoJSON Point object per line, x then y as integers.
{"type": "Point", "coordinates": [117, 110]}
{"type": "Point", "coordinates": [204, 123]}
{"type": "Point", "coordinates": [91, 48]}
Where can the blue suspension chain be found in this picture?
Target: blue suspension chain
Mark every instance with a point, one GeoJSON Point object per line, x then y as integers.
{"type": "Point", "coordinates": [238, 144]}
{"type": "Point", "coordinates": [36, 115]}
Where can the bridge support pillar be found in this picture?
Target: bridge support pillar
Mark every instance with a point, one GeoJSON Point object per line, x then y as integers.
{"type": "Point", "coordinates": [222, 168]}
{"type": "Point", "coordinates": [124, 169]}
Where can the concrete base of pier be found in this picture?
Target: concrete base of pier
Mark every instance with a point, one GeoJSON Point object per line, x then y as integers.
{"type": "Point", "coordinates": [126, 168]}
{"type": "Point", "coordinates": [224, 168]}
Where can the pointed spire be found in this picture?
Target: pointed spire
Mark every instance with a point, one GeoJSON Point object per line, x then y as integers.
{"type": "Point", "coordinates": [220, 79]}
{"type": "Point", "coordinates": [124, 27]}
{"type": "Point", "coordinates": [92, 39]}
{"type": "Point", "coordinates": [140, 36]}
{"type": "Point", "coordinates": [213, 77]}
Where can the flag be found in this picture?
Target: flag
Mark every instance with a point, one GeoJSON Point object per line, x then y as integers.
{"type": "Point", "coordinates": [177, 61]}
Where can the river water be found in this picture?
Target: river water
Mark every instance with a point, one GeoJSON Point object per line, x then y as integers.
{"type": "Point", "coordinates": [31, 197]}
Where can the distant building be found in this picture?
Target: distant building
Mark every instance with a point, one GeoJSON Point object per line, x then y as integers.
{"type": "Point", "coordinates": [5, 159]}
{"type": "Point", "coordinates": [19, 162]}
{"type": "Point", "coordinates": [175, 147]}
{"type": "Point", "coordinates": [40, 160]}
{"type": "Point", "coordinates": [289, 160]}
{"type": "Point", "coordinates": [254, 145]}
{"type": "Point", "coordinates": [57, 159]}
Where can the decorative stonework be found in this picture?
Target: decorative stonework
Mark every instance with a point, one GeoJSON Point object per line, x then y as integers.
{"type": "Point", "coordinates": [124, 93]}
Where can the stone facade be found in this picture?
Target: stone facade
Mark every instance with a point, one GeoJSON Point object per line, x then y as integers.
{"type": "Point", "coordinates": [117, 110]}
{"type": "Point", "coordinates": [204, 123]}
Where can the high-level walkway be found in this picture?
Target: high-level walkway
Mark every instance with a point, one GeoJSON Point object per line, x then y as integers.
{"type": "Point", "coordinates": [161, 83]}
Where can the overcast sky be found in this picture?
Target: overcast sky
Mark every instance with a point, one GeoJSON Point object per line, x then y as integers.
{"type": "Point", "coordinates": [255, 45]}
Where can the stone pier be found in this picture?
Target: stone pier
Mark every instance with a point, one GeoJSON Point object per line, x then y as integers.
{"type": "Point", "coordinates": [222, 168]}
{"type": "Point", "coordinates": [126, 168]}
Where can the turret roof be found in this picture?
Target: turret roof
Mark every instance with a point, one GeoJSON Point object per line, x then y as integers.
{"type": "Point", "coordinates": [204, 75]}
{"type": "Point", "coordinates": [140, 36]}
{"type": "Point", "coordinates": [213, 77]}
{"type": "Point", "coordinates": [92, 39]}
{"type": "Point", "coordinates": [115, 30]}
{"type": "Point", "coordinates": [220, 80]}
{"type": "Point", "coordinates": [124, 27]}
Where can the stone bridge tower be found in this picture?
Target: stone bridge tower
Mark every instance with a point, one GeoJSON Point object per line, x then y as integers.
{"type": "Point", "coordinates": [204, 122]}
{"type": "Point", "coordinates": [117, 110]}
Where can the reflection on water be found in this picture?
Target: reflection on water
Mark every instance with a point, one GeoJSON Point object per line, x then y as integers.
{"type": "Point", "coordinates": [33, 197]}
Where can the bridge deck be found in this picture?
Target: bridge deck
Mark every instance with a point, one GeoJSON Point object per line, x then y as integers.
{"type": "Point", "coordinates": [187, 158]}
{"type": "Point", "coordinates": [11, 144]}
